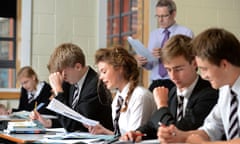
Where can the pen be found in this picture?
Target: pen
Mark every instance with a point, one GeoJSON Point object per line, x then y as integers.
{"type": "Point", "coordinates": [40, 106]}
{"type": "Point", "coordinates": [140, 134]}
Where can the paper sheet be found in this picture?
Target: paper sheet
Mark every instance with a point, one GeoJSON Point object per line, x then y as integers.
{"type": "Point", "coordinates": [140, 49]}
{"type": "Point", "coordinates": [62, 109]}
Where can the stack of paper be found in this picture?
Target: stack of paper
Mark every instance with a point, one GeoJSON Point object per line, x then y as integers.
{"type": "Point", "coordinates": [25, 127]}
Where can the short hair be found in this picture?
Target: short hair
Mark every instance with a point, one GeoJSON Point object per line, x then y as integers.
{"type": "Point", "coordinates": [177, 45]}
{"type": "Point", "coordinates": [167, 3]}
{"type": "Point", "coordinates": [216, 44]}
{"type": "Point", "coordinates": [27, 72]}
{"type": "Point", "coordinates": [65, 55]}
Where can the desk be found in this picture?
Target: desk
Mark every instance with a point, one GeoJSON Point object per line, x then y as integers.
{"type": "Point", "coordinates": [34, 138]}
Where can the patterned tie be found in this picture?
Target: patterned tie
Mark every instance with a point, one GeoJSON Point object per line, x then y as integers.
{"type": "Point", "coordinates": [233, 130]}
{"type": "Point", "coordinates": [180, 108]}
{"type": "Point", "coordinates": [162, 70]}
{"type": "Point", "coordinates": [31, 97]}
{"type": "Point", "coordinates": [75, 96]}
{"type": "Point", "coordinates": [115, 122]}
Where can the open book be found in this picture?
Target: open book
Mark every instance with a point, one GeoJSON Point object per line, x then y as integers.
{"type": "Point", "coordinates": [62, 109]}
{"type": "Point", "coordinates": [140, 49]}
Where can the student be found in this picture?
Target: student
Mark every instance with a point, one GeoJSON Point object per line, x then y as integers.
{"type": "Point", "coordinates": [77, 85]}
{"type": "Point", "coordinates": [33, 91]}
{"type": "Point", "coordinates": [217, 55]}
{"type": "Point", "coordinates": [118, 70]}
{"type": "Point", "coordinates": [188, 103]}
{"type": "Point", "coordinates": [166, 12]}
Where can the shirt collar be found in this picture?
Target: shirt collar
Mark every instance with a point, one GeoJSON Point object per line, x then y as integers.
{"type": "Point", "coordinates": [124, 92]}
{"type": "Point", "coordinates": [81, 81]}
{"type": "Point", "coordinates": [188, 91]}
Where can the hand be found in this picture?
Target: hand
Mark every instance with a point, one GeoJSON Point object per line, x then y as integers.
{"type": "Point", "coordinates": [35, 115]}
{"type": "Point", "coordinates": [157, 52]}
{"type": "Point", "coordinates": [56, 80]}
{"type": "Point", "coordinates": [141, 60]}
{"type": "Point", "coordinates": [98, 129]}
{"type": "Point", "coordinates": [134, 136]}
{"type": "Point", "coordinates": [170, 134]}
{"type": "Point", "coordinates": [161, 96]}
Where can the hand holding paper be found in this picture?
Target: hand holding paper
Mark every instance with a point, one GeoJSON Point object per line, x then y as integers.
{"type": "Point", "coordinates": [140, 49]}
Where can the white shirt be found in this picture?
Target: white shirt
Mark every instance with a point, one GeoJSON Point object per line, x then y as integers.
{"type": "Point", "coordinates": [217, 122]}
{"type": "Point", "coordinates": [140, 108]}
{"type": "Point", "coordinates": [186, 93]}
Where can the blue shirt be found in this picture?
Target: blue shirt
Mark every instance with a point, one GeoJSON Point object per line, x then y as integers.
{"type": "Point", "coordinates": [217, 122]}
{"type": "Point", "coordinates": [155, 40]}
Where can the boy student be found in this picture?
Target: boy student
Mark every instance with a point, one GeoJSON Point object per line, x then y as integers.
{"type": "Point", "coordinates": [188, 103]}
{"type": "Point", "coordinates": [217, 54]}
{"type": "Point", "coordinates": [86, 95]}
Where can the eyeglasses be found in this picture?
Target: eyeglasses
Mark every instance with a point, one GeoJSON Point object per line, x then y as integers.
{"type": "Point", "coordinates": [162, 16]}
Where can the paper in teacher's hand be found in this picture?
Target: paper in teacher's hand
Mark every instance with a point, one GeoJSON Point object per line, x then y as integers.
{"type": "Point", "coordinates": [62, 109]}
{"type": "Point", "coordinates": [140, 49]}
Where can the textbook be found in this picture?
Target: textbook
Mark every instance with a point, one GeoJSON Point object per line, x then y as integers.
{"type": "Point", "coordinates": [25, 127]}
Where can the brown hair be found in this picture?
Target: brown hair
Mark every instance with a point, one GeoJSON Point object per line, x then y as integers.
{"type": "Point", "coordinates": [119, 57]}
{"type": "Point", "coordinates": [167, 3]}
{"type": "Point", "coordinates": [28, 72]}
{"type": "Point", "coordinates": [178, 45]}
{"type": "Point", "coordinates": [215, 44]}
{"type": "Point", "coordinates": [65, 55]}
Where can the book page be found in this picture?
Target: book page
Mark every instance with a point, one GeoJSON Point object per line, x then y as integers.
{"type": "Point", "coordinates": [64, 110]}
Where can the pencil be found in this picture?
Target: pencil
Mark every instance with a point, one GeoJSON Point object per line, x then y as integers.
{"type": "Point", "coordinates": [35, 107]}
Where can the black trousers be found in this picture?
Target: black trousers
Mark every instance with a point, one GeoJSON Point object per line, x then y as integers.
{"type": "Point", "coordinates": [161, 82]}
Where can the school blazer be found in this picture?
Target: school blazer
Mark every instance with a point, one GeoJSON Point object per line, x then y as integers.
{"type": "Point", "coordinates": [93, 103]}
{"type": "Point", "coordinates": [200, 103]}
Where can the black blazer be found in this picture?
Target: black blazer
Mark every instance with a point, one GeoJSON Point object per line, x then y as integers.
{"type": "Point", "coordinates": [200, 103]}
{"type": "Point", "coordinates": [93, 103]}
{"type": "Point", "coordinates": [44, 96]}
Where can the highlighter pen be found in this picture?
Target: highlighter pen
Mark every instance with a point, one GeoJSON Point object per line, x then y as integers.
{"type": "Point", "coordinates": [40, 106]}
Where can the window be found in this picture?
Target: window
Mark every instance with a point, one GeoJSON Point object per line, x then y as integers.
{"type": "Point", "coordinates": [123, 20]}
{"type": "Point", "coordinates": [8, 20]}
{"type": "Point", "coordinates": [126, 18]}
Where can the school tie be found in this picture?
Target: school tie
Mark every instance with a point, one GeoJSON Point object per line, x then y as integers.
{"type": "Point", "coordinates": [75, 96]}
{"type": "Point", "coordinates": [118, 110]}
{"type": "Point", "coordinates": [180, 108]}
{"type": "Point", "coordinates": [233, 130]}
{"type": "Point", "coordinates": [31, 97]}
{"type": "Point", "coordinates": [162, 70]}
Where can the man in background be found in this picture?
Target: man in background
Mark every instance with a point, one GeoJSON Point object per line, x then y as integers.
{"type": "Point", "coordinates": [165, 13]}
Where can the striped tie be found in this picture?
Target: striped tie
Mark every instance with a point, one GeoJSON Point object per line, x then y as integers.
{"type": "Point", "coordinates": [233, 130]}
{"type": "Point", "coordinates": [75, 96]}
{"type": "Point", "coordinates": [118, 110]}
{"type": "Point", "coordinates": [180, 108]}
{"type": "Point", "coordinates": [31, 97]}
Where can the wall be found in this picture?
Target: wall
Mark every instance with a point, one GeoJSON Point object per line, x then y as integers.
{"type": "Point", "coordinates": [58, 21]}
